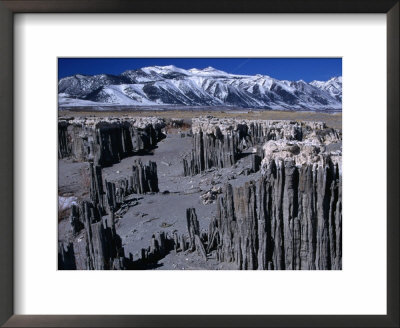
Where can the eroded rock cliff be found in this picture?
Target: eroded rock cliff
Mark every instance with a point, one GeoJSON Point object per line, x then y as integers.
{"type": "Point", "coordinates": [291, 218]}
{"type": "Point", "coordinates": [107, 141]}
{"type": "Point", "coordinates": [219, 143]}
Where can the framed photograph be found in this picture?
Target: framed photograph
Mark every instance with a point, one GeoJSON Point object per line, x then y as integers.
{"type": "Point", "coordinates": [207, 164]}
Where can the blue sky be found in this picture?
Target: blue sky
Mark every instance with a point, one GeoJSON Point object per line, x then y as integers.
{"type": "Point", "coordinates": [307, 69]}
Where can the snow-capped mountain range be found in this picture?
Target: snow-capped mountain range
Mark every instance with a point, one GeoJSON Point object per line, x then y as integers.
{"type": "Point", "coordinates": [170, 85]}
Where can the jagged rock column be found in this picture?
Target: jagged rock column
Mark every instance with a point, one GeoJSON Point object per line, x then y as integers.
{"type": "Point", "coordinates": [107, 141]}
{"type": "Point", "coordinates": [219, 142]}
{"type": "Point", "coordinates": [290, 219]}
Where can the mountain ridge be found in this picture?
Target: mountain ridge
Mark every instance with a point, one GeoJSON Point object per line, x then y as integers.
{"type": "Point", "coordinates": [170, 85]}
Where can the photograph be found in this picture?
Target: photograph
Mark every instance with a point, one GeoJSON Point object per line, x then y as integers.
{"type": "Point", "coordinates": [199, 163]}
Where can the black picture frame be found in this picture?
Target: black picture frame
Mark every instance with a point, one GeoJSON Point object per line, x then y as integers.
{"type": "Point", "coordinates": [10, 7]}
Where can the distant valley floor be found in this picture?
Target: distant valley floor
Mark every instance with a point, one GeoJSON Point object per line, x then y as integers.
{"type": "Point", "coordinates": [332, 119]}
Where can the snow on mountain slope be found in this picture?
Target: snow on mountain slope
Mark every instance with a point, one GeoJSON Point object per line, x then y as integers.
{"type": "Point", "coordinates": [64, 100]}
{"type": "Point", "coordinates": [332, 86]}
{"type": "Point", "coordinates": [165, 70]}
{"type": "Point", "coordinates": [170, 85]}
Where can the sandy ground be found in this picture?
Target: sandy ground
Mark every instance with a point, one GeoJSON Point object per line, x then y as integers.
{"type": "Point", "coordinates": [163, 211]}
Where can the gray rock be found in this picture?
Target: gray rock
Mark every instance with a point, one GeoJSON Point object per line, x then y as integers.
{"type": "Point", "coordinates": [66, 256]}
{"type": "Point", "coordinates": [143, 180]}
{"type": "Point", "coordinates": [220, 142]}
{"type": "Point", "coordinates": [107, 141]}
{"type": "Point", "coordinates": [291, 219]}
